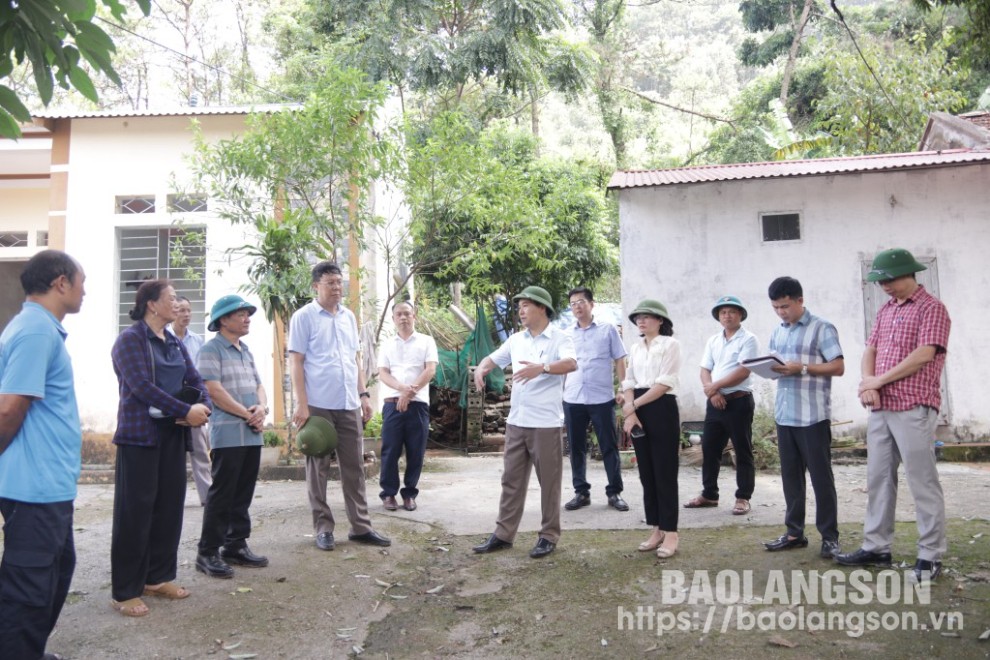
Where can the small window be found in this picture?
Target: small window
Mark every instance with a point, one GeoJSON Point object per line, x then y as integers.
{"type": "Point", "coordinates": [135, 204]}
{"type": "Point", "coordinates": [781, 226]}
{"type": "Point", "coordinates": [187, 203]}
{"type": "Point", "coordinates": [12, 239]}
{"type": "Point", "coordinates": [41, 238]}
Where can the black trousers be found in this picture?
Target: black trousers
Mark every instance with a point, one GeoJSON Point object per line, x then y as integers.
{"type": "Point", "coordinates": [808, 448]}
{"type": "Point", "coordinates": [657, 457]}
{"type": "Point", "coordinates": [226, 521]}
{"type": "Point", "coordinates": [39, 557]}
{"type": "Point", "coordinates": [735, 422]}
{"type": "Point", "coordinates": [148, 500]}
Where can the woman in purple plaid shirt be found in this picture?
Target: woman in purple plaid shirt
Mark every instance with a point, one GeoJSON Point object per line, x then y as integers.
{"type": "Point", "coordinates": [157, 382]}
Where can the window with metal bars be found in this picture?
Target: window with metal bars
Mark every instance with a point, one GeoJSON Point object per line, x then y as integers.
{"type": "Point", "coordinates": [11, 239]}
{"type": "Point", "coordinates": [175, 253]}
{"type": "Point", "coordinates": [187, 203]}
{"type": "Point", "coordinates": [781, 226]}
{"type": "Point", "coordinates": [135, 204]}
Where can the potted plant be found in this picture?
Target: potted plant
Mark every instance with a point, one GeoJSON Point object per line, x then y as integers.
{"type": "Point", "coordinates": [271, 449]}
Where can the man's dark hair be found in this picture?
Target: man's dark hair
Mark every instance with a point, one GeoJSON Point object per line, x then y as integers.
{"type": "Point", "coordinates": [404, 302]}
{"type": "Point", "coordinates": [785, 287]}
{"type": "Point", "coordinates": [148, 291]}
{"type": "Point", "coordinates": [182, 299]}
{"type": "Point", "coordinates": [325, 268]}
{"type": "Point", "coordinates": [41, 271]}
{"type": "Point", "coordinates": [582, 290]}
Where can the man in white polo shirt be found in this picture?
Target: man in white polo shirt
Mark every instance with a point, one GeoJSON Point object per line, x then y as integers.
{"type": "Point", "coordinates": [406, 365]}
{"type": "Point", "coordinates": [540, 355]}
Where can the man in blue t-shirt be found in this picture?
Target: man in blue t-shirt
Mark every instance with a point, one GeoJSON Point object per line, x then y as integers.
{"type": "Point", "coordinates": [40, 444]}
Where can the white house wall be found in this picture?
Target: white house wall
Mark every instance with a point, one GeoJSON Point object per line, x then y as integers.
{"type": "Point", "coordinates": [686, 245]}
{"type": "Point", "coordinates": [136, 156]}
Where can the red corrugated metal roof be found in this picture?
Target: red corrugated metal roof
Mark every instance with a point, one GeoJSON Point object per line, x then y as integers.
{"type": "Point", "coordinates": [184, 111]}
{"type": "Point", "coordinates": [783, 168]}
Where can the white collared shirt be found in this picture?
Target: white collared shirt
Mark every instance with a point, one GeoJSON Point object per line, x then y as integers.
{"type": "Point", "coordinates": [722, 357]}
{"type": "Point", "coordinates": [537, 403]}
{"type": "Point", "coordinates": [406, 359]}
{"type": "Point", "coordinates": [659, 364]}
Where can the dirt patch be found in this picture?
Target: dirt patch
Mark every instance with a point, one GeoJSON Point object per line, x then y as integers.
{"type": "Point", "coordinates": [430, 596]}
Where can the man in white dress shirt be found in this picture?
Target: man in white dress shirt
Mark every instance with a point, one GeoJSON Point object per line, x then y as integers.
{"type": "Point", "coordinates": [540, 355]}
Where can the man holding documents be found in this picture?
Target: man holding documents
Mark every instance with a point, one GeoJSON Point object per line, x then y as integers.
{"type": "Point", "coordinates": [809, 347]}
{"type": "Point", "coordinates": [902, 370]}
{"type": "Point", "coordinates": [729, 412]}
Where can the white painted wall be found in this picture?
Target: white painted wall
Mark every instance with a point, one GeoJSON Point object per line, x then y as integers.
{"type": "Point", "coordinates": [130, 156]}
{"type": "Point", "coordinates": [686, 245]}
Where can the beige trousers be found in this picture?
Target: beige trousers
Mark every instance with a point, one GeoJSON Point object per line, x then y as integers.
{"type": "Point", "coordinates": [350, 459]}
{"type": "Point", "coordinates": [524, 449]}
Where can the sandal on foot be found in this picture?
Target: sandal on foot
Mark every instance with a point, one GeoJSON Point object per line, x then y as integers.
{"type": "Point", "coordinates": [167, 590]}
{"type": "Point", "coordinates": [666, 552]}
{"type": "Point", "coordinates": [646, 546]}
{"type": "Point", "coordinates": [700, 502]}
{"type": "Point", "coordinates": [741, 508]}
{"type": "Point", "coordinates": [134, 607]}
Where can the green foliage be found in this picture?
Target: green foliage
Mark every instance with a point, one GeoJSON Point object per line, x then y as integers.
{"type": "Point", "coordinates": [292, 176]}
{"type": "Point", "coordinates": [373, 427]}
{"type": "Point", "coordinates": [486, 211]}
{"type": "Point", "coordinates": [55, 37]}
{"type": "Point", "coordinates": [452, 52]}
{"type": "Point", "coordinates": [773, 16]}
{"type": "Point", "coordinates": [271, 438]}
{"type": "Point", "coordinates": [765, 454]}
{"type": "Point", "coordinates": [917, 79]}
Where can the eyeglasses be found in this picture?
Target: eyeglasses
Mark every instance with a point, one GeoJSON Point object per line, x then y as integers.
{"type": "Point", "coordinates": [884, 282]}
{"type": "Point", "coordinates": [578, 303]}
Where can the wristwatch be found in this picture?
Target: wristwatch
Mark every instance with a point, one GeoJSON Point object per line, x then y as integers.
{"type": "Point", "coordinates": [364, 394]}
{"type": "Point", "coordinates": [546, 368]}
{"type": "Point", "coordinates": [804, 370]}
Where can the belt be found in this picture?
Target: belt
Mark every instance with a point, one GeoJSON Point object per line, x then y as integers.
{"type": "Point", "coordinates": [731, 395]}
{"type": "Point", "coordinates": [392, 399]}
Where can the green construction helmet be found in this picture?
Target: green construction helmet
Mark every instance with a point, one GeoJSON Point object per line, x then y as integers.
{"type": "Point", "coordinates": [652, 307]}
{"type": "Point", "coordinates": [729, 301]}
{"type": "Point", "coordinates": [890, 264]}
{"type": "Point", "coordinates": [317, 437]}
{"type": "Point", "coordinates": [538, 295]}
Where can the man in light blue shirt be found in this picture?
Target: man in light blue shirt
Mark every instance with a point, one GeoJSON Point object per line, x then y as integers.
{"type": "Point", "coordinates": [40, 445]}
{"type": "Point", "coordinates": [589, 396]}
{"type": "Point", "coordinates": [199, 454]}
{"type": "Point", "coordinates": [730, 407]}
{"type": "Point", "coordinates": [540, 355]}
{"type": "Point", "coordinates": [327, 381]}
{"type": "Point", "coordinates": [809, 347]}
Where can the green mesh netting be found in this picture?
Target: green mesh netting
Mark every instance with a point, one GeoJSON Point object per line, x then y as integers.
{"type": "Point", "coordinates": [452, 371]}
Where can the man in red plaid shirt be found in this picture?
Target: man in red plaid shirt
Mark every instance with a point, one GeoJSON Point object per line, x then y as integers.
{"type": "Point", "coordinates": [902, 369]}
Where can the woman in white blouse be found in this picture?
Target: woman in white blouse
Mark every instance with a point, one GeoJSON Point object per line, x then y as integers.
{"type": "Point", "coordinates": [651, 417]}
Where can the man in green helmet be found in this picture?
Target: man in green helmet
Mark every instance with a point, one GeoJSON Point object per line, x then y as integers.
{"type": "Point", "coordinates": [902, 371]}
{"type": "Point", "coordinates": [540, 355]}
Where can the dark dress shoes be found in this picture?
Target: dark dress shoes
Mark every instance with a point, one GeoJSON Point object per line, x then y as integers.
{"type": "Point", "coordinates": [579, 501]}
{"type": "Point", "coordinates": [786, 543]}
{"type": "Point", "coordinates": [389, 503]}
{"type": "Point", "coordinates": [864, 558]}
{"type": "Point", "coordinates": [542, 548]}
{"type": "Point", "coordinates": [243, 557]}
{"type": "Point", "coordinates": [617, 503]}
{"type": "Point", "coordinates": [370, 538]}
{"type": "Point", "coordinates": [213, 566]}
{"type": "Point", "coordinates": [324, 541]}
{"type": "Point", "coordinates": [927, 571]}
{"type": "Point", "coordinates": [409, 504]}
{"type": "Point", "coordinates": [830, 549]}
{"type": "Point", "coordinates": [491, 545]}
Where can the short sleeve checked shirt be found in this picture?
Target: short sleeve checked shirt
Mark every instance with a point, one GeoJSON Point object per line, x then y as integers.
{"type": "Point", "coordinates": [921, 320]}
{"type": "Point", "coordinates": [221, 361]}
{"type": "Point", "coordinates": [805, 400]}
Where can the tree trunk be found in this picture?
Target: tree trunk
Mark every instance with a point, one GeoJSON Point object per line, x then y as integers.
{"type": "Point", "coordinates": [793, 53]}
